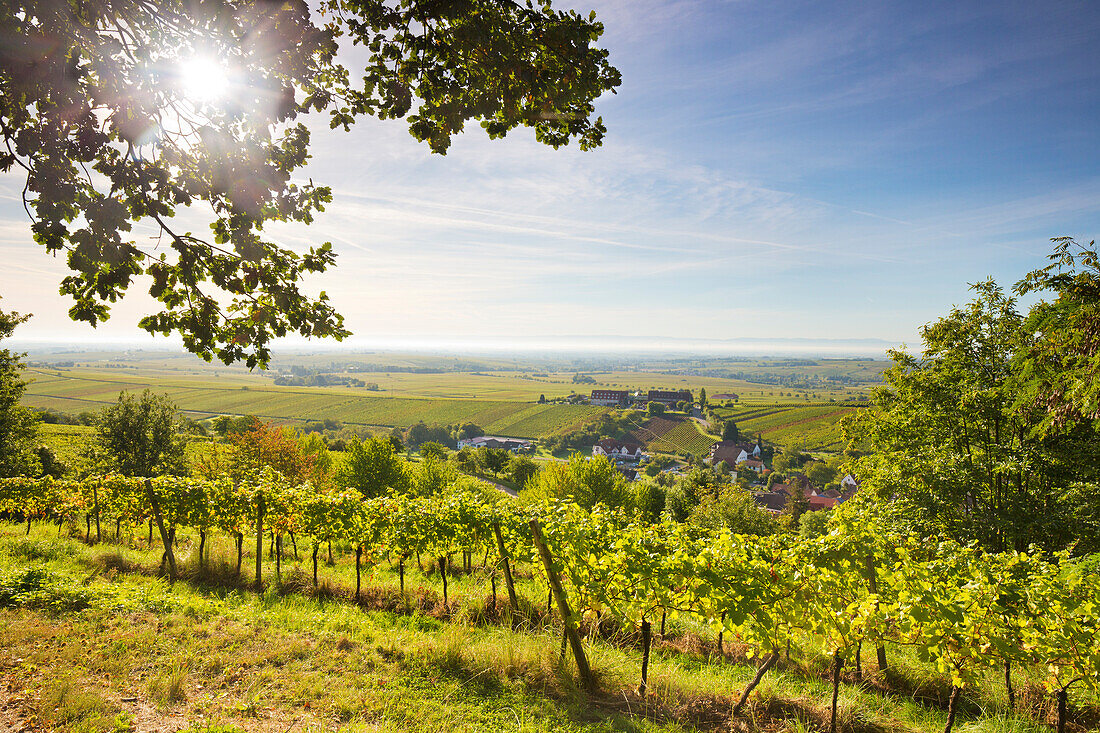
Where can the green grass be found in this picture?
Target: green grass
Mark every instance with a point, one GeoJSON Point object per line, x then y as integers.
{"type": "Point", "coordinates": [74, 391]}
{"type": "Point", "coordinates": [207, 654]}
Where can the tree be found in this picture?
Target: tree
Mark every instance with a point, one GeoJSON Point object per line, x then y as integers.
{"type": "Point", "coordinates": [521, 469]}
{"type": "Point", "coordinates": [122, 114]}
{"type": "Point", "coordinates": [140, 436]}
{"type": "Point", "coordinates": [374, 469]}
{"type": "Point", "coordinates": [432, 448]}
{"type": "Point", "coordinates": [588, 481]}
{"type": "Point", "coordinates": [1061, 365]}
{"type": "Point", "coordinates": [655, 408]}
{"type": "Point", "coordinates": [949, 437]}
{"type": "Point", "coordinates": [733, 509]}
{"type": "Point", "coordinates": [18, 425]}
{"type": "Point", "coordinates": [266, 445]}
{"type": "Point", "coordinates": [797, 504]}
{"type": "Point", "coordinates": [493, 460]}
{"type": "Point", "coordinates": [820, 472]}
{"type": "Point", "coordinates": [730, 431]}
{"type": "Point", "coordinates": [702, 397]}
{"type": "Point", "coordinates": [227, 425]}
{"type": "Point", "coordinates": [432, 475]}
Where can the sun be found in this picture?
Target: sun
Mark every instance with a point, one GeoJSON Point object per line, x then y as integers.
{"type": "Point", "coordinates": [203, 80]}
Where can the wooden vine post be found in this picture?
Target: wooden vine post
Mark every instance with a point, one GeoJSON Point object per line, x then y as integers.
{"type": "Point", "coordinates": [95, 500]}
{"type": "Point", "coordinates": [154, 503]}
{"type": "Point", "coordinates": [563, 607]}
{"type": "Point", "coordinates": [512, 601]}
{"type": "Point", "coordinates": [872, 585]}
{"type": "Point", "coordinates": [259, 542]}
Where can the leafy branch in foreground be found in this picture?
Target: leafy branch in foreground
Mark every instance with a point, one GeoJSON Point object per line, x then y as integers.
{"type": "Point", "coordinates": [99, 109]}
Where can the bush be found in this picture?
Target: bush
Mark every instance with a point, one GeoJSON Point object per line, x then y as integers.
{"type": "Point", "coordinates": [42, 590]}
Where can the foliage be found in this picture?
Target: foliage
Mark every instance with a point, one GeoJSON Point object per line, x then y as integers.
{"type": "Point", "coordinates": [373, 468]}
{"type": "Point", "coordinates": [948, 438]}
{"type": "Point", "coordinates": [1062, 362]}
{"type": "Point", "coordinates": [266, 445]}
{"type": "Point", "coordinates": [139, 436]}
{"type": "Point", "coordinates": [431, 448]}
{"type": "Point", "coordinates": [733, 509]}
{"type": "Point", "coordinates": [18, 425]}
{"type": "Point", "coordinates": [226, 425]}
{"type": "Point", "coordinates": [521, 469]}
{"type": "Point", "coordinates": [587, 482]}
{"type": "Point", "coordinates": [432, 475]}
{"type": "Point", "coordinates": [730, 431]}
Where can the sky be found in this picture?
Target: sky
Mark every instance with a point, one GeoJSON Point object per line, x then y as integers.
{"type": "Point", "coordinates": [793, 170]}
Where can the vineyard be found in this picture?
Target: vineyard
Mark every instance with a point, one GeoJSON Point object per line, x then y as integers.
{"type": "Point", "coordinates": [857, 589]}
{"type": "Point", "coordinates": [809, 426]}
{"type": "Point", "coordinates": [673, 435]}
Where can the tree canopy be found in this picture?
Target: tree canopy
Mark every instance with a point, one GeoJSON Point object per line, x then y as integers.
{"type": "Point", "coordinates": [98, 110]}
{"type": "Point", "coordinates": [950, 438]}
{"type": "Point", "coordinates": [140, 436]}
{"type": "Point", "coordinates": [18, 425]}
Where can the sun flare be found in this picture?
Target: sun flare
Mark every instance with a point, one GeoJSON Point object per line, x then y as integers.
{"type": "Point", "coordinates": [204, 80]}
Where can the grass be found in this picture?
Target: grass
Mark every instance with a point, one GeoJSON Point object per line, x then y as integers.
{"type": "Point", "coordinates": [77, 390]}
{"type": "Point", "coordinates": [206, 652]}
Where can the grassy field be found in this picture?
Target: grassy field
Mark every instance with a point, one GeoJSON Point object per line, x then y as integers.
{"type": "Point", "coordinates": [97, 642]}
{"type": "Point", "coordinates": [77, 390]}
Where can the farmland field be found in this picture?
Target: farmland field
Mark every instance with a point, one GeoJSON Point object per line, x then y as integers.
{"type": "Point", "coordinates": [673, 435]}
{"type": "Point", "coordinates": [75, 391]}
{"type": "Point", "coordinates": [809, 427]}
{"type": "Point", "coordinates": [499, 395]}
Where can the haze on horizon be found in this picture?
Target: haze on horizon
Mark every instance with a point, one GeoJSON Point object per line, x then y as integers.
{"type": "Point", "coordinates": [771, 171]}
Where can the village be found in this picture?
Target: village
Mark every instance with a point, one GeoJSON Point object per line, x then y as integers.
{"type": "Point", "coordinates": [772, 491]}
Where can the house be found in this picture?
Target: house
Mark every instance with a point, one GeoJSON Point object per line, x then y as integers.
{"type": "Point", "coordinates": [771, 501]}
{"type": "Point", "coordinates": [849, 482]}
{"type": "Point", "coordinates": [795, 483]}
{"type": "Point", "coordinates": [802, 481]}
{"type": "Point", "coordinates": [724, 396]}
{"type": "Point", "coordinates": [669, 398]}
{"type": "Point", "coordinates": [817, 503]}
{"type": "Point", "coordinates": [752, 464]}
{"type": "Point", "coordinates": [610, 397]}
{"type": "Point", "coordinates": [618, 449]}
{"type": "Point", "coordinates": [515, 445]}
{"type": "Point", "coordinates": [734, 453]}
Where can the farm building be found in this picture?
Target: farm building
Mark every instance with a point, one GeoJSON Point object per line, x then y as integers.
{"type": "Point", "coordinates": [610, 397]}
{"type": "Point", "coordinates": [516, 445]}
{"type": "Point", "coordinates": [670, 397]}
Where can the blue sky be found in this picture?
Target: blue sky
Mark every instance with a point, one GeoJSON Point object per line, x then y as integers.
{"type": "Point", "coordinates": [788, 170]}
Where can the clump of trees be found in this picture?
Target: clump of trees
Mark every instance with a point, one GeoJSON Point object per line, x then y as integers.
{"type": "Point", "coordinates": [990, 433]}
